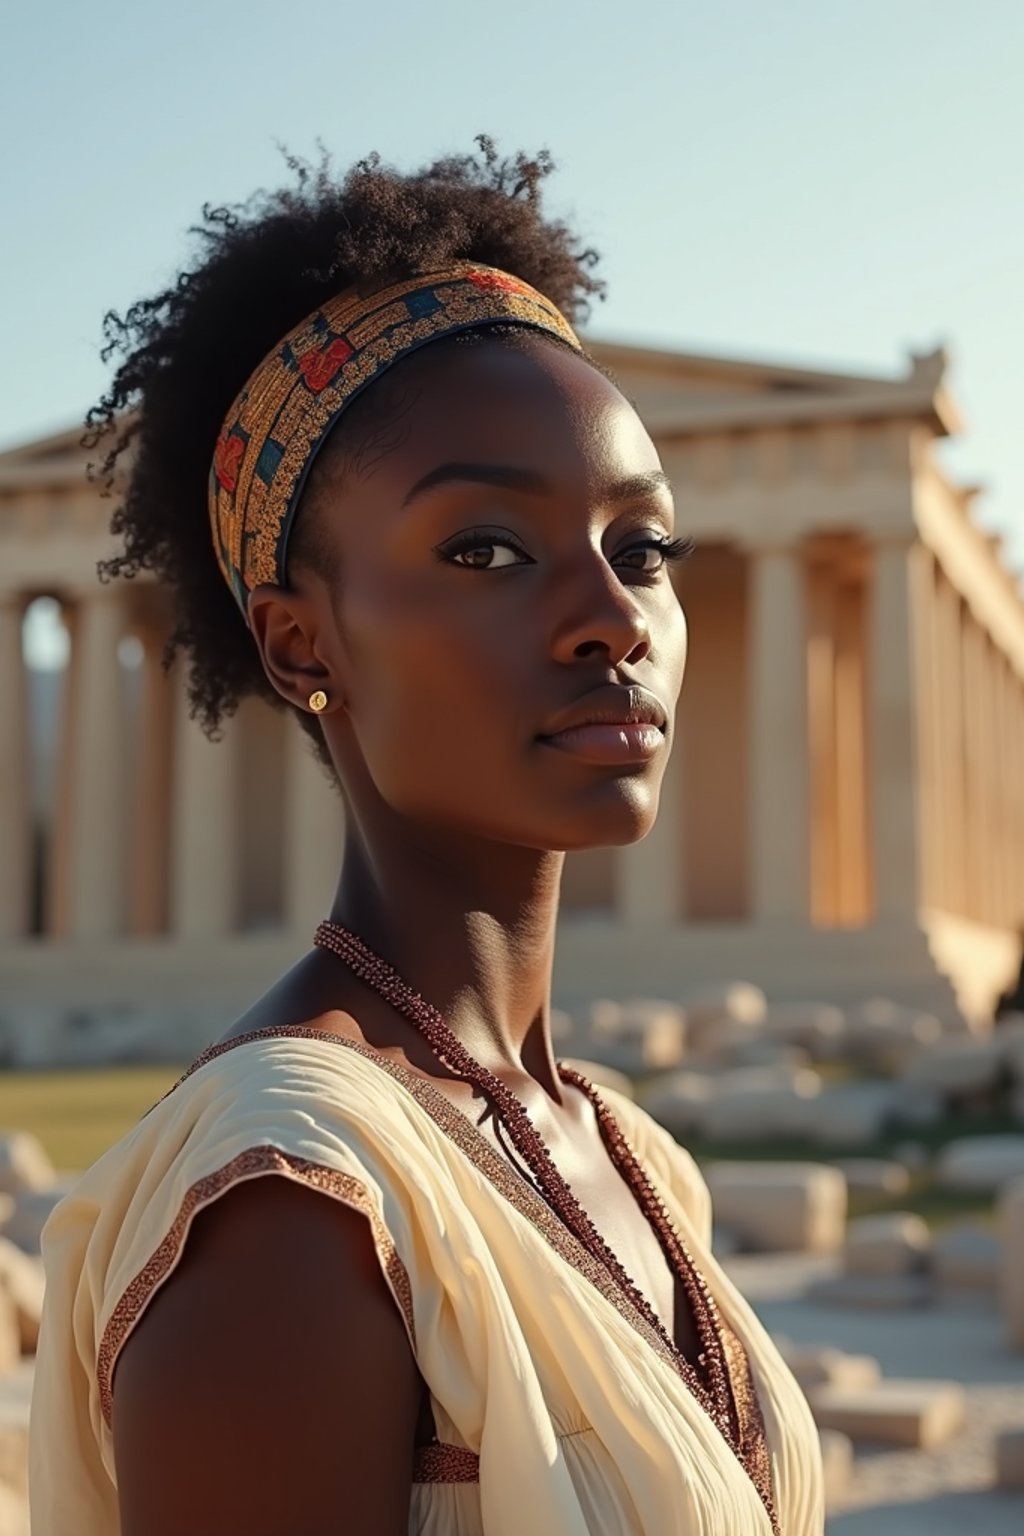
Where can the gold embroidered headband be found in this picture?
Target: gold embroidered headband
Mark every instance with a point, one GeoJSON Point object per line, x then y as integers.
{"type": "Point", "coordinates": [276, 426]}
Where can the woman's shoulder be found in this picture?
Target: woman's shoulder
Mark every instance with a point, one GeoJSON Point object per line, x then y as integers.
{"type": "Point", "coordinates": [259, 1046]}
{"type": "Point", "coordinates": [307, 1100]}
{"type": "Point", "coordinates": [326, 1055]}
{"type": "Point", "coordinates": [314, 1088]}
{"type": "Point", "coordinates": [302, 1104]}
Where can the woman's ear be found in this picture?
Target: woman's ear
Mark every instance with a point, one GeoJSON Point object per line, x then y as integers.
{"type": "Point", "coordinates": [296, 651]}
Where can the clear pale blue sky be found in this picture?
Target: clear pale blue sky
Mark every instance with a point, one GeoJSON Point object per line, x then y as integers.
{"type": "Point", "coordinates": [819, 181]}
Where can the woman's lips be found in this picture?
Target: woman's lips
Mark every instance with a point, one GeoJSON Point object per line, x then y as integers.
{"type": "Point", "coordinates": [609, 744]}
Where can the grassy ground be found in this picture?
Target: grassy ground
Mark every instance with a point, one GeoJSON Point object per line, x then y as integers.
{"type": "Point", "coordinates": [78, 1115]}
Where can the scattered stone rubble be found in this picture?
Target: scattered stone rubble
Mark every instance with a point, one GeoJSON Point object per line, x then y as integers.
{"type": "Point", "coordinates": [52, 1035]}
{"type": "Point", "coordinates": [29, 1188]}
{"type": "Point", "coordinates": [893, 1260]}
{"type": "Point", "coordinates": [24, 1166]}
{"type": "Point", "coordinates": [875, 1175]}
{"type": "Point", "coordinates": [854, 1405]}
{"type": "Point", "coordinates": [637, 1038]}
{"type": "Point", "coordinates": [732, 1069]}
{"type": "Point", "coordinates": [727, 1065]}
{"type": "Point", "coordinates": [858, 1408]}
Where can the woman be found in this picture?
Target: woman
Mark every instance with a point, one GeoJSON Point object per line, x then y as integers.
{"type": "Point", "coordinates": [477, 1297]}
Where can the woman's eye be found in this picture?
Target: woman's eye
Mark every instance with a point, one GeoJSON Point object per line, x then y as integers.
{"type": "Point", "coordinates": [477, 553]}
{"type": "Point", "coordinates": [661, 550]}
{"type": "Point", "coordinates": [644, 557]}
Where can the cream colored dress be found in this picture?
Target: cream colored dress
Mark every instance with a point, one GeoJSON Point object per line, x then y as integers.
{"type": "Point", "coordinates": [558, 1412]}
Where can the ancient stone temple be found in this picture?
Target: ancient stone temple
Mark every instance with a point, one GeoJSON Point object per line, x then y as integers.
{"type": "Point", "coordinates": [844, 811]}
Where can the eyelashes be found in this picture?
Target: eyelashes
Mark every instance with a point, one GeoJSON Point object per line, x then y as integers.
{"type": "Point", "coordinates": [677, 549]}
{"type": "Point", "coordinates": [478, 539]}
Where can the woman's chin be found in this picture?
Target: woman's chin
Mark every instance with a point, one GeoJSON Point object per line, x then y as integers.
{"type": "Point", "coordinates": [624, 812]}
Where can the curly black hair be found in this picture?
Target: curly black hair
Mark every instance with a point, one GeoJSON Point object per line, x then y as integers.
{"type": "Point", "coordinates": [265, 264]}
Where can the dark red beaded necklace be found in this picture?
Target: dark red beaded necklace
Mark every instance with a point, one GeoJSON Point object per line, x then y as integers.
{"type": "Point", "coordinates": [709, 1380]}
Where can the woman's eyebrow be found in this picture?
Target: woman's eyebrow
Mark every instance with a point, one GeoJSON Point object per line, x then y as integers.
{"type": "Point", "coordinates": [509, 477]}
{"type": "Point", "coordinates": [506, 476]}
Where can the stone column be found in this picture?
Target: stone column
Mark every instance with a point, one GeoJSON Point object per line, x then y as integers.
{"type": "Point", "coordinates": [933, 671]}
{"type": "Point", "coordinates": [1009, 767]}
{"type": "Point", "coordinates": [204, 837]}
{"type": "Point", "coordinates": [90, 824]}
{"type": "Point", "coordinates": [899, 571]}
{"type": "Point", "coordinates": [1011, 763]}
{"type": "Point", "coordinates": [650, 874]}
{"type": "Point", "coordinates": [989, 657]}
{"type": "Point", "coordinates": [989, 777]}
{"type": "Point", "coordinates": [851, 752]}
{"type": "Point", "coordinates": [836, 735]}
{"type": "Point", "coordinates": [16, 810]}
{"type": "Point", "coordinates": [949, 647]}
{"type": "Point", "coordinates": [990, 770]}
{"type": "Point", "coordinates": [823, 807]}
{"type": "Point", "coordinates": [779, 778]}
{"type": "Point", "coordinates": [1017, 780]}
{"type": "Point", "coordinates": [926, 696]}
{"type": "Point", "coordinates": [151, 805]}
{"type": "Point", "coordinates": [314, 834]}
{"type": "Point", "coordinates": [976, 773]}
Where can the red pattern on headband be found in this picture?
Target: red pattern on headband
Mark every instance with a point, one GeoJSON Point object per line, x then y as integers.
{"type": "Point", "coordinates": [227, 458]}
{"type": "Point", "coordinates": [318, 367]}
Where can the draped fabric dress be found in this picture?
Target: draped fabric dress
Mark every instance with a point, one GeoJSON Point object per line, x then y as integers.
{"type": "Point", "coordinates": [558, 1411]}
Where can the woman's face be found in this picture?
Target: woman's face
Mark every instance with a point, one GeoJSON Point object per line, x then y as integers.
{"type": "Point", "coordinates": [496, 563]}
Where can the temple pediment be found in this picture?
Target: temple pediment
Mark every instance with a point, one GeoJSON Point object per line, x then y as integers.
{"type": "Point", "coordinates": [57, 460]}
{"type": "Point", "coordinates": [690, 392]}
{"type": "Point", "coordinates": [57, 448]}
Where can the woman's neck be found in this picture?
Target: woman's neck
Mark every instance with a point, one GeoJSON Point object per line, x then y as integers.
{"type": "Point", "coordinates": [471, 926]}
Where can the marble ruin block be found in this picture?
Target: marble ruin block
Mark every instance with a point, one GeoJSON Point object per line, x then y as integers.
{"type": "Point", "coordinates": [837, 1464]}
{"type": "Point", "coordinates": [967, 1257]}
{"type": "Point", "coordinates": [780, 1207]}
{"type": "Point", "coordinates": [981, 1162]}
{"type": "Point", "coordinates": [1010, 1459]}
{"type": "Point", "coordinates": [917, 1414]}
{"type": "Point", "coordinates": [1011, 1284]}
{"type": "Point", "coordinates": [889, 1245]}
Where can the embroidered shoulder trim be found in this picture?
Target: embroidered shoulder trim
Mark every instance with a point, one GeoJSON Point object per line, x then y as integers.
{"type": "Point", "coordinates": [254, 1161]}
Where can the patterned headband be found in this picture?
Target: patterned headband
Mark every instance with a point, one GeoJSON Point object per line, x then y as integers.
{"type": "Point", "coordinates": [282, 417]}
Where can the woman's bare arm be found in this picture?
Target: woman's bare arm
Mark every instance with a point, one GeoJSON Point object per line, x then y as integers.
{"type": "Point", "coordinates": [269, 1389]}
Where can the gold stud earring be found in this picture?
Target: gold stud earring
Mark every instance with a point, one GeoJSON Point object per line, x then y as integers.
{"type": "Point", "coordinates": [318, 701]}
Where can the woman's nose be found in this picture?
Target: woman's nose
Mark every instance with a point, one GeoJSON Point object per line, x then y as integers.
{"type": "Point", "coordinates": [600, 613]}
